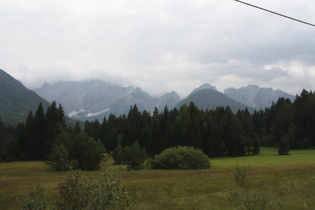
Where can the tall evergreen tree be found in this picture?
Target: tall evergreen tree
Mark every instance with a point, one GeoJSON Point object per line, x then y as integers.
{"type": "Point", "coordinates": [61, 117]}
{"type": "Point", "coordinates": [232, 135]}
{"type": "Point", "coordinates": [36, 135]}
{"type": "Point", "coordinates": [3, 147]}
{"type": "Point", "coordinates": [194, 128]}
{"type": "Point", "coordinates": [183, 123]}
{"type": "Point", "coordinates": [77, 128]}
{"type": "Point", "coordinates": [284, 146]}
{"type": "Point", "coordinates": [155, 142]}
{"type": "Point", "coordinates": [281, 124]}
{"type": "Point", "coordinates": [249, 136]}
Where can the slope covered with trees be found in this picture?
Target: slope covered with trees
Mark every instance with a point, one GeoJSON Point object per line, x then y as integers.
{"type": "Point", "coordinates": [16, 100]}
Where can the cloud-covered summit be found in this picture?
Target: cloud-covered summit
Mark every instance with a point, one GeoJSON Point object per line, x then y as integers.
{"type": "Point", "coordinates": [159, 46]}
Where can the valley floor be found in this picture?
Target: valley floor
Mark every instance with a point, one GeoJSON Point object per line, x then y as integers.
{"type": "Point", "coordinates": [285, 182]}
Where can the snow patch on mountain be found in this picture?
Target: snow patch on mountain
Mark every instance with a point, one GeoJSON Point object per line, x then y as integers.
{"type": "Point", "coordinates": [76, 113]}
{"type": "Point", "coordinates": [97, 113]}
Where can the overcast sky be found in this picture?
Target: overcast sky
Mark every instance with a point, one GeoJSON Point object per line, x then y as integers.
{"type": "Point", "coordinates": [159, 45]}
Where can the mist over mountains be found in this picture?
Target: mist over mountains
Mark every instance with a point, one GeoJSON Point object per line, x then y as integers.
{"type": "Point", "coordinates": [88, 100]}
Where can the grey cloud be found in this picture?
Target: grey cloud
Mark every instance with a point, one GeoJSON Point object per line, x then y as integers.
{"type": "Point", "coordinates": [171, 44]}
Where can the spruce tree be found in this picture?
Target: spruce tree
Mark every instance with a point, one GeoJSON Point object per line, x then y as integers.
{"type": "Point", "coordinates": [2, 142]}
{"type": "Point", "coordinates": [77, 128]}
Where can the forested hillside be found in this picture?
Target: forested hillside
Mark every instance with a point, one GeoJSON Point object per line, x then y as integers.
{"type": "Point", "coordinates": [16, 100]}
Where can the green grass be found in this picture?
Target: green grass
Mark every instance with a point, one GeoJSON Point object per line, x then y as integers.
{"type": "Point", "coordinates": [267, 157]}
{"type": "Point", "coordinates": [289, 180]}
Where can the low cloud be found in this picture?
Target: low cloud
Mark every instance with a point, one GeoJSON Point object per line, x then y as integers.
{"type": "Point", "coordinates": [160, 46]}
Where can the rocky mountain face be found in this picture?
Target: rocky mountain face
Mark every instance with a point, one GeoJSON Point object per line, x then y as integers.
{"type": "Point", "coordinates": [256, 97]}
{"type": "Point", "coordinates": [90, 96]}
{"type": "Point", "coordinates": [16, 101]}
{"type": "Point", "coordinates": [87, 100]}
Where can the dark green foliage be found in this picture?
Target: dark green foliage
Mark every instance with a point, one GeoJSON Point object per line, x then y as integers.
{"type": "Point", "coordinates": [77, 128]}
{"type": "Point", "coordinates": [181, 157]}
{"type": "Point", "coordinates": [216, 132]}
{"type": "Point", "coordinates": [249, 135]}
{"type": "Point", "coordinates": [8, 143]}
{"type": "Point", "coordinates": [255, 148]}
{"type": "Point", "coordinates": [40, 131]}
{"type": "Point", "coordinates": [284, 146]}
{"type": "Point", "coordinates": [76, 152]}
{"type": "Point", "coordinates": [294, 121]}
{"type": "Point", "coordinates": [88, 152]}
{"type": "Point", "coordinates": [155, 141]}
{"type": "Point", "coordinates": [119, 155]}
{"type": "Point", "coordinates": [59, 158]}
{"type": "Point", "coordinates": [133, 155]}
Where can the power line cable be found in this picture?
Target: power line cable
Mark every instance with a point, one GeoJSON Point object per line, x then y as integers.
{"type": "Point", "coordinates": [266, 10]}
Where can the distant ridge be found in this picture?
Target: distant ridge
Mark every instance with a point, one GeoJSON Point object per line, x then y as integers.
{"type": "Point", "coordinates": [16, 101]}
{"type": "Point", "coordinates": [211, 99]}
{"type": "Point", "coordinates": [87, 100]}
{"type": "Point", "coordinates": [257, 97]}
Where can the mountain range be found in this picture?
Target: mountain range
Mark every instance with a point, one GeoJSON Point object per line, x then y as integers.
{"type": "Point", "coordinates": [87, 100]}
{"type": "Point", "coordinates": [256, 97]}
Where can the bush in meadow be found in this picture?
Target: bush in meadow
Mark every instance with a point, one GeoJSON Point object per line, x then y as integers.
{"type": "Point", "coordinates": [181, 157]}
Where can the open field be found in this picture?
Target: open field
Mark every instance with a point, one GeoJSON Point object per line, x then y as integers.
{"type": "Point", "coordinates": [286, 180]}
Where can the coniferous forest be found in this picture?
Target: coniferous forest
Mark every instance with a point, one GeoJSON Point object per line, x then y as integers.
{"type": "Point", "coordinates": [218, 132]}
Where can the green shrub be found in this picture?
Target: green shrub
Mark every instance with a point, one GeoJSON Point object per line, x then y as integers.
{"type": "Point", "coordinates": [74, 192]}
{"type": "Point", "coordinates": [181, 157]}
{"type": "Point", "coordinates": [36, 199]}
{"type": "Point", "coordinates": [59, 159]}
{"type": "Point", "coordinates": [136, 155]}
{"type": "Point", "coordinates": [104, 193]}
{"type": "Point", "coordinates": [76, 152]}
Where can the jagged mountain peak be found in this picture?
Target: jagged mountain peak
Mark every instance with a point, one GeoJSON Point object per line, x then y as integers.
{"type": "Point", "coordinates": [255, 96]}
{"type": "Point", "coordinates": [90, 99]}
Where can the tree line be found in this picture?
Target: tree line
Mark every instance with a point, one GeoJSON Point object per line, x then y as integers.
{"type": "Point", "coordinates": [216, 132]}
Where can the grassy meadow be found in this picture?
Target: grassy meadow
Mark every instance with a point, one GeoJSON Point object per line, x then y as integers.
{"type": "Point", "coordinates": [285, 180]}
